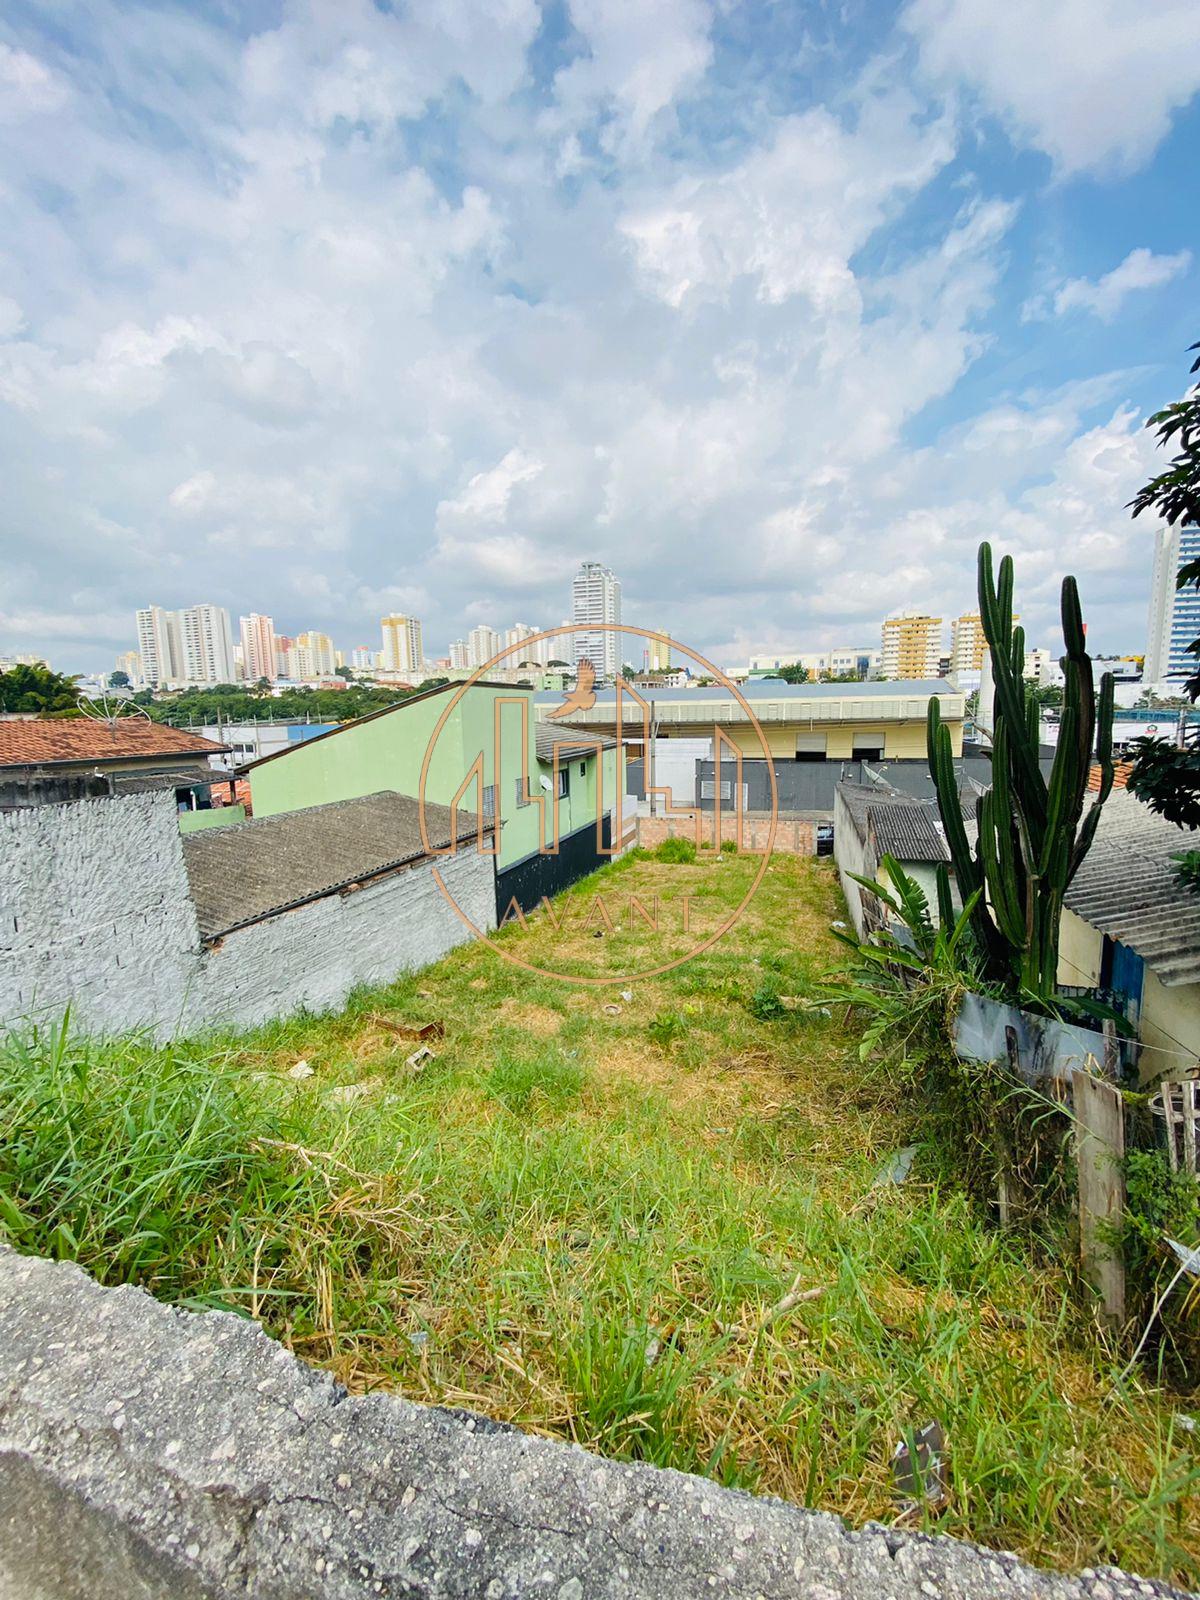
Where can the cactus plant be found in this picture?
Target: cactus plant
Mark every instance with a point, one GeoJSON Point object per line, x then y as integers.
{"type": "Point", "coordinates": [1033, 834]}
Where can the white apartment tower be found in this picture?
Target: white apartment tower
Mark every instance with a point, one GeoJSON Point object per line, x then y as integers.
{"type": "Point", "coordinates": [403, 648]}
{"type": "Point", "coordinates": [1174, 613]}
{"type": "Point", "coordinates": [482, 644]}
{"type": "Point", "coordinates": [596, 599]}
{"type": "Point", "coordinates": [159, 645]}
{"type": "Point", "coordinates": [258, 646]}
{"type": "Point", "coordinates": [207, 644]}
{"type": "Point", "coordinates": [458, 655]}
{"type": "Point", "coordinates": [514, 638]}
{"type": "Point", "coordinates": [313, 656]}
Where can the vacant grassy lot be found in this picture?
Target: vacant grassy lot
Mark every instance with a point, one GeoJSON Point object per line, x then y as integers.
{"type": "Point", "coordinates": [583, 1214]}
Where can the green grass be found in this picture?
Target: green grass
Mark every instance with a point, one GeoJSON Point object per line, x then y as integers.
{"type": "Point", "coordinates": [579, 1221]}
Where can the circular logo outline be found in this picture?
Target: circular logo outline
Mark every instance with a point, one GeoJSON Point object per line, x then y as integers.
{"type": "Point", "coordinates": [710, 670]}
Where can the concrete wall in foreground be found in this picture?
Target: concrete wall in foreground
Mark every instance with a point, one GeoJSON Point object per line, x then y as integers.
{"type": "Point", "coordinates": [151, 1454]}
{"type": "Point", "coordinates": [96, 914]}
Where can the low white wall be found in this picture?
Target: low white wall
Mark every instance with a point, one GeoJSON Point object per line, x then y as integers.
{"type": "Point", "coordinates": [95, 914]}
{"type": "Point", "coordinates": [850, 856]}
{"type": "Point", "coordinates": [312, 957]}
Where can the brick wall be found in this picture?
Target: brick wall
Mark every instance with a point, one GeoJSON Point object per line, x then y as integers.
{"type": "Point", "coordinates": [793, 835]}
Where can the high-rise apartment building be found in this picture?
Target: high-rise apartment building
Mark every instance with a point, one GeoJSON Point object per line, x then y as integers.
{"type": "Point", "coordinates": [403, 648]}
{"type": "Point", "coordinates": [1174, 613]}
{"type": "Point", "coordinates": [458, 655]}
{"type": "Point", "coordinates": [313, 656]}
{"type": "Point", "coordinates": [967, 643]}
{"type": "Point", "coordinates": [258, 646]}
{"type": "Point", "coordinates": [159, 645]}
{"type": "Point", "coordinates": [514, 638]}
{"type": "Point", "coordinates": [912, 645]}
{"type": "Point", "coordinates": [362, 659]}
{"type": "Point", "coordinates": [482, 644]}
{"type": "Point", "coordinates": [596, 599]}
{"type": "Point", "coordinates": [207, 644]}
{"type": "Point", "coordinates": [658, 655]}
{"type": "Point", "coordinates": [130, 663]}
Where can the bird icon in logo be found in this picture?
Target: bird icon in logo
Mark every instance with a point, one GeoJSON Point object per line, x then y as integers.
{"type": "Point", "coordinates": [582, 697]}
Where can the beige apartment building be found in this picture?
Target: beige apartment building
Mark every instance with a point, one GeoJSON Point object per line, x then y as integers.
{"type": "Point", "coordinates": [912, 646]}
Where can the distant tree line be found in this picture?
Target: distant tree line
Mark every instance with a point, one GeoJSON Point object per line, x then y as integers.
{"type": "Point", "coordinates": [231, 702]}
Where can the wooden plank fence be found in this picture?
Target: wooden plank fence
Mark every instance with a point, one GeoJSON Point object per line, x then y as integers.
{"type": "Point", "coordinates": [1177, 1102]}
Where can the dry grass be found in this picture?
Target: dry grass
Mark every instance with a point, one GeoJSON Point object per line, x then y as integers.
{"type": "Point", "coordinates": [582, 1220]}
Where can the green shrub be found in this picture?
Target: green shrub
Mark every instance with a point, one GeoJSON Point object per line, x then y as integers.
{"type": "Point", "coordinates": [680, 851]}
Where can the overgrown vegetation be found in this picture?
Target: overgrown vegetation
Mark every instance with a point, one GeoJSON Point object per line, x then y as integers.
{"type": "Point", "coordinates": [585, 1221]}
{"type": "Point", "coordinates": [1167, 779]}
{"type": "Point", "coordinates": [1032, 834]}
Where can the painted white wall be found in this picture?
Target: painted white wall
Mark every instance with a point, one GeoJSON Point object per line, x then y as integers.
{"type": "Point", "coordinates": [95, 913]}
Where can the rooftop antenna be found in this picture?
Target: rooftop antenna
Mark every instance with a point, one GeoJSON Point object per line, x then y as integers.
{"type": "Point", "coordinates": [110, 711]}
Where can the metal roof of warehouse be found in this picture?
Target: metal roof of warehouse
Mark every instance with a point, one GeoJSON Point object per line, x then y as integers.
{"type": "Point", "coordinates": [1127, 888]}
{"type": "Point", "coordinates": [777, 689]}
{"type": "Point", "coordinates": [248, 871]}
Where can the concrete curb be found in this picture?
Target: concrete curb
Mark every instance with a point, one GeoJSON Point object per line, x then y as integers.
{"type": "Point", "coordinates": [147, 1452]}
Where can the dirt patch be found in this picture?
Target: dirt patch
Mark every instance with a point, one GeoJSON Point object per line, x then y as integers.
{"type": "Point", "coordinates": [538, 1020]}
{"type": "Point", "coordinates": [727, 1084]}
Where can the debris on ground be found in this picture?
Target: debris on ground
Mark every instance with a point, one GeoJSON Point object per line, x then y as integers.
{"type": "Point", "coordinates": [346, 1092]}
{"type": "Point", "coordinates": [405, 1030]}
{"type": "Point", "coordinates": [300, 1070]}
{"type": "Point", "coordinates": [897, 1167]}
{"type": "Point", "coordinates": [612, 1010]}
{"type": "Point", "coordinates": [919, 1469]}
{"type": "Point", "coordinates": [416, 1061]}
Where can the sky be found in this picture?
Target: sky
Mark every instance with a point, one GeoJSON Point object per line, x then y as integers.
{"type": "Point", "coordinates": [335, 309]}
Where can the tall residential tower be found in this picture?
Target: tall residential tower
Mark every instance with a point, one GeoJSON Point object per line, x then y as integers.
{"type": "Point", "coordinates": [596, 598]}
{"type": "Point", "coordinates": [912, 645]}
{"type": "Point", "coordinates": [1174, 613]}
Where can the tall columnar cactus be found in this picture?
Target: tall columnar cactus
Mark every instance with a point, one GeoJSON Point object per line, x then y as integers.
{"type": "Point", "coordinates": [1032, 834]}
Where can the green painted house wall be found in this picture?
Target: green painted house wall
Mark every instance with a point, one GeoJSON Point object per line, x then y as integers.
{"type": "Point", "coordinates": [386, 752]}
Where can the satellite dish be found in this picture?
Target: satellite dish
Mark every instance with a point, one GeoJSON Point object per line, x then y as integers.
{"type": "Point", "coordinates": [110, 712]}
{"type": "Point", "coordinates": [545, 783]}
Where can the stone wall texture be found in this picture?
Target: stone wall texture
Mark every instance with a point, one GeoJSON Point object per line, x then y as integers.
{"type": "Point", "coordinates": [148, 1453]}
{"type": "Point", "coordinates": [95, 913]}
{"type": "Point", "coordinates": [793, 835]}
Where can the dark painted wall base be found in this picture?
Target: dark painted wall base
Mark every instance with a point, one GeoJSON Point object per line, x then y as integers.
{"type": "Point", "coordinates": [539, 875]}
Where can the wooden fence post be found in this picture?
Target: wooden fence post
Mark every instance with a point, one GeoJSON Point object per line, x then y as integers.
{"type": "Point", "coordinates": [1099, 1153]}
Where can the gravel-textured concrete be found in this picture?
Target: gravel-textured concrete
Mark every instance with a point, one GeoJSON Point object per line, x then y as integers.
{"type": "Point", "coordinates": [147, 1452]}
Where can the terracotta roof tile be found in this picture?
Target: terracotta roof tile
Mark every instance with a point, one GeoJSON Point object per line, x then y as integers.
{"type": "Point", "coordinates": [42, 742]}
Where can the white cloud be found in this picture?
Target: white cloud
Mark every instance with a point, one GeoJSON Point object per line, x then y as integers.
{"type": "Point", "coordinates": [1104, 297]}
{"type": "Point", "coordinates": [641, 56]}
{"type": "Point", "coordinates": [792, 214]}
{"type": "Point", "coordinates": [1093, 83]}
{"type": "Point", "coordinates": [373, 317]}
{"type": "Point", "coordinates": [27, 87]}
